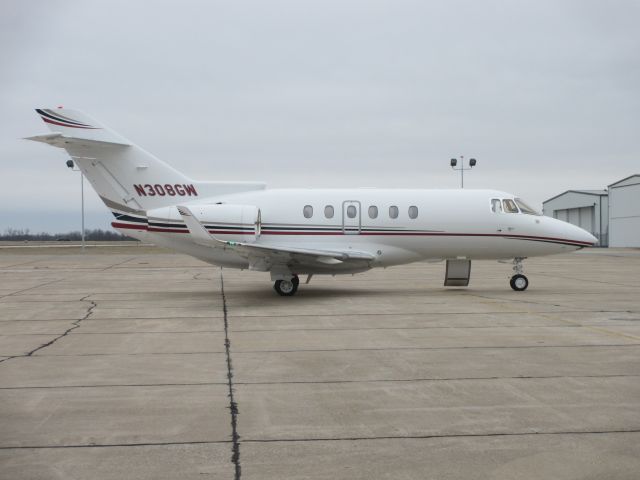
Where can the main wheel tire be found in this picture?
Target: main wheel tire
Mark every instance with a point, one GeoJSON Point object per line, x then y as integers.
{"type": "Point", "coordinates": [296, 281]}
{"type": "Point", "coordinates": [286, 288]}
{"type": "Point", "coordinates": [519, 282]}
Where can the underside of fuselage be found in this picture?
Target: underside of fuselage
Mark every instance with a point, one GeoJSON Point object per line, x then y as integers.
{"type": "Point", "coordinates": [388, 251]}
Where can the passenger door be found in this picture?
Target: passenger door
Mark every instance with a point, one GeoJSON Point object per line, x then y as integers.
{"type": "Point", "coordinates": [351, 217]}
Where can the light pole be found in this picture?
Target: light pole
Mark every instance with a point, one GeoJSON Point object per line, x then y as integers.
{"type": "Point", "coordinates": [70, 164]}
{"type": "Point", "coordinates": [454, 162]}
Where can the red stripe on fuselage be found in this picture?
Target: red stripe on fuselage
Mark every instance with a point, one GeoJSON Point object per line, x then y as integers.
{"type": "Point", "coordinates": [341, 233]}
{"type": "Point", "coordinates": [131, 226]}
{"type": "Point", "coordinates": [235, 232]}
{"type": "Point", "coordinates": [168, 230]}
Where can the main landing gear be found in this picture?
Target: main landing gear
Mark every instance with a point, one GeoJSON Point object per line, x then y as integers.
{"type": "Point", "coordinates": [287, 288]}
{"type": "Point", "coordinates": [518, 282]}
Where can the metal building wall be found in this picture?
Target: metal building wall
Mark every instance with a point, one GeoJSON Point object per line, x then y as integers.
{"type": "Point", "coordinates": [624, 212]}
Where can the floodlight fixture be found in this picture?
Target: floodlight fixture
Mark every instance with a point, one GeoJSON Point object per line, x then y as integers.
{"type": "Point", "coordinates": [454, 162]}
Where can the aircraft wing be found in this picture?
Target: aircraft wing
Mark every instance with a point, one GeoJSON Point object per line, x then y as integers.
{"type": "Point", "coordinates": [328, 257]}
{"type": "Point", "coordinates": [273, 254]}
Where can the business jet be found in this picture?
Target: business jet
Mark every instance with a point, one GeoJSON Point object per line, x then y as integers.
{"type": "Point", "coordinates": [293, 232]}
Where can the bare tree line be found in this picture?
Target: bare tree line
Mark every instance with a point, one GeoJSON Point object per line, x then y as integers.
{"type": "Point", "coordinates": [90, 235]}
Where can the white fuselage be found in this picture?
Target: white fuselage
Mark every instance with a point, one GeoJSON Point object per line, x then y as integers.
{"type": "Point", "coordinates": [450, 224]}
{"type": "Point", "coordinates": [288, 232]}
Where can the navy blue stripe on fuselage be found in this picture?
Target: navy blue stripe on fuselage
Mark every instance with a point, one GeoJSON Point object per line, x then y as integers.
{"type": "Point", "coordinates": [128, 218]}
{"type": "Point", "coordinates": [166, 225]}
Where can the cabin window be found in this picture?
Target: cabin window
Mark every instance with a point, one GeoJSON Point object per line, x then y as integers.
{"type": "Point", "coordinates": [509, 206]}
{"type": "Point", "coordinates": [352, 211]}
{"type": "Point", "coordinates": [328, 211]}
{"type": "Point", "coordinates": [524, 208]}
{"type": "Point", "coordinates": [307, 211]}
{"type": "Point", "coordinates": [393, 211]}
{"type": "Point", "coordinates": [373, 211]}
{"type": "Point", "coordinates": [496, 205]}
{"type": "Point", "coordinates": [413, 212]}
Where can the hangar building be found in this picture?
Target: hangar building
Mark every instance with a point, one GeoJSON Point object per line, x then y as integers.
{"type": "Point", "coordinates": [624, 212]}
{"type": "Point", "coordinates": [612, 215]}
{"type": "Point", "coordinates": [588, 209]}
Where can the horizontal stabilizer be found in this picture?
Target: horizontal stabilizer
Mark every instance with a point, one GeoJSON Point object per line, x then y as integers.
{"type": "Point", "coordinates": [62, 141]}
{"type": "Point", "coordinates": [77, 125]}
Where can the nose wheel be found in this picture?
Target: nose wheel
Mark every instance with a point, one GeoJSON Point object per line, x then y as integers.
{"type": "Point", "coordinates": [519, 282]}
{"type": "Point", "coordinates": [287, 288]}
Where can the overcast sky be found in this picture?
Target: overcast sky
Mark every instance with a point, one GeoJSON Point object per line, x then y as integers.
{"type": "Point", "coordinates": [545, 94]}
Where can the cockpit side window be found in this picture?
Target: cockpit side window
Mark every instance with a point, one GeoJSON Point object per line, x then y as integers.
{"type": "Point", "coordinates": [524, 208]}
{"type": "Point", "coordinates": [509, 206]}
{"type": "Point", "coordinates": [496, 205]}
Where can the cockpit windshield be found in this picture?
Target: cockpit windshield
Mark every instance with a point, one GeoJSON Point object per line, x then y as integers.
{"type": "Point", "coordinates": [509, 206]}
{"type": "Point", "coordinates": [512, 205]}
{"type": "Point", "coordinates": [524, 208]}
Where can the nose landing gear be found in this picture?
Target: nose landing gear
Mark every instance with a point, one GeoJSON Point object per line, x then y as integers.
{"type": "Point", "coordinates": [519, 282]}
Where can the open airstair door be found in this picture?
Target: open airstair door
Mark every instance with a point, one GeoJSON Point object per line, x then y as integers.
{"type": "Point", "coordinates": [458, 273]}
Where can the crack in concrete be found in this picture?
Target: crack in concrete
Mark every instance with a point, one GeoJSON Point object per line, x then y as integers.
{"type": "Point", "coordinates": [233, 406]}
{"type": "Point", "coordinates": [31, 288]}
{"type": "Point", "coordinates": [119, 263]}
{"type": "Point", "coordinates": [111, 445]}
{"type": "Point", "coordinates": [331, 439]}
{"type": "Point", "coordinates": [26, 263]}
{"type": "Point", "coordinates": [197, 276]}
{"type": "Point", "coordinates": [373, 349]}
{"type": "Point", "coordinates": [443, 435]}
{"type": "Point", "coordinates": [75, 324]}
{"type": "Point", "coordinates": [322, 382]}
{"type": "Point", "coordinates": [514, 300]}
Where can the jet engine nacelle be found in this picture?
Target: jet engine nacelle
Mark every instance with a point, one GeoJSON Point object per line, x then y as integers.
{"type": "Point", "coordinates": [229, 219]}
{"type": "Point", "coordinates": [226, 221]}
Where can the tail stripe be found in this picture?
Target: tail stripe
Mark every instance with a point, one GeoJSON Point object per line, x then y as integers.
{"type": "Point", "coordinates": [67, 125]}
{"type": "Point", "coordinates": [62, 121]}
{"type": "Point", "coordinates": [59, 116]}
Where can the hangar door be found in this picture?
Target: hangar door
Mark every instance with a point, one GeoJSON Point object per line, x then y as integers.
{"type": "Point", "coordinates": [583, 217]}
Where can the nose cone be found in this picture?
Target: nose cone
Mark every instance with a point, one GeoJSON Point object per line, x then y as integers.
{"type": "Point", "coordinates": [592, 239]}
{"type": "Point", "coordinates": [581, 236]}
{"type": "Point", "coordinates": [568, 234]}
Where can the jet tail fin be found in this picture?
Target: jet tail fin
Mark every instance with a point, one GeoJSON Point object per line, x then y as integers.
{"type": "Point", "coordinates": [126, 177]}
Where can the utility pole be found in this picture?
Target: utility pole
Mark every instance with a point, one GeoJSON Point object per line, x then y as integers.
{"type": "Point", "coordinates": [82, 205]}
{"type": "Point", "coordinates": [71, 165]}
